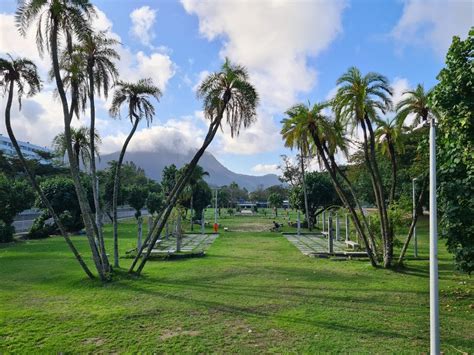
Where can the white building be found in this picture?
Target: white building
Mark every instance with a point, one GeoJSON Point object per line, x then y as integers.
{"type": "Point", "coordinates": [28, 149]}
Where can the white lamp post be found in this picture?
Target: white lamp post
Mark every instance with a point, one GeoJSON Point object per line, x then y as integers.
{"type": "Point", "coordinates": [434, 298]}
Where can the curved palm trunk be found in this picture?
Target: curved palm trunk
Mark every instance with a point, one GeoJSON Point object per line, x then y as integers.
{"type": "Point", "coordinates": [344, 198]}
{"type": "Point", "coordinates": [373, 245]}
{"type": "Point", "coordinates": [36, 186]}
{"type": "Point", "coordinates": [413, 221]}
{"type": "Point", "coordinates": [393, 162]}
{"type": "Point", "coordinates": [305, 194]}
{"type": "Point", "coordinates": [95, 183]}
{"type": "Point", "coordinates": [117, 188]}
{"type": "Point", "coordinates": [91, 229]}
{"type": "Point", "coordinates": [173, 196]}
{"type": "Point", "coordinates": [387, 231]}
{"type": "Point", "coordinates": [191, 211]}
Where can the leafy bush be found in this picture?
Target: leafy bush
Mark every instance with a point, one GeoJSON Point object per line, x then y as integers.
{"type": "Point", "coordinates": [39, 229]}
{"type": "Point", "coordinates": [6, 232]}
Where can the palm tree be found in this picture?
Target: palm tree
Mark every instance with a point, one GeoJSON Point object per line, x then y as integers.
{"type": "Point", "coordinates": [323, 137]}
{"type": "Point", "coordinates": [137, 97]}
{"type": "Point", "coordinates": [297, 139]}
{"type": "Point", "coordinates": [196, 178]}
{"type": "Point", "coordinates": [388, 136]}
{"type": "Point", "coordinates": [69, 18]}
{"type": "Point", "coordinates": [80, 138]}
{"type": "Point", "coordinates": [415, 102]}
{"type": "Point", "coordinates": [227, 95]}
{"type": "Point", "coordinates": [24, 74]}
{"type": "Point", "coordinates": [357, 103]}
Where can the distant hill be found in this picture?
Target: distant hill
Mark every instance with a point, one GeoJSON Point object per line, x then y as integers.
{"type": "Point", "coordinates": [154, 162]}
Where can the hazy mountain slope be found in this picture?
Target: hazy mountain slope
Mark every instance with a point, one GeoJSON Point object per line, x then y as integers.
{"type": "Point", "coordinates": [154, 162]}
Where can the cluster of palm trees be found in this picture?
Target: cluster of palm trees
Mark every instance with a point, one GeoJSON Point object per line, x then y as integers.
{"type": "Point", "coordinates": [83, 65]}
{"type": "Point", "coordinates": [357, 114]}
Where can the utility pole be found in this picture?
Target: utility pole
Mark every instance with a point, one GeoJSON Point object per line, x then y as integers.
{"type": "Point", "coordinates": [434, 297]}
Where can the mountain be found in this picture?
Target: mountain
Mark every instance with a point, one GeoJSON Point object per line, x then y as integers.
{"type": "Point", "coordinates": [154, 162]}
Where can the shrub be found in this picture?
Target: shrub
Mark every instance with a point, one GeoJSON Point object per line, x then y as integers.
{"type": "Point", "coordinates": [6, 232]}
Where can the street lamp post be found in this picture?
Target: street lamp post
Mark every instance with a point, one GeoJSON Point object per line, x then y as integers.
{"type": "Point", "coordinates": [415, 239]}
{"type": "Point", "coordinates": [434, 297]}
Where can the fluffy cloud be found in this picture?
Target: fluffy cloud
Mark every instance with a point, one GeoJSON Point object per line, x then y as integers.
{"type": "Point", "coordinates": [263, 169]}
{"type": "Point", "coordinates": [143, 19]}
{"type": "Point", "coordinates": [175, 134]}
{"type": "Point", "coordinates": [273, 40]}
{"type": "Point", "coordinates": [433, 23]}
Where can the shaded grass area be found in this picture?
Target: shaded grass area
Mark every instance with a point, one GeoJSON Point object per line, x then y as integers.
{"type": "Point", "coordinates": [252, 292]}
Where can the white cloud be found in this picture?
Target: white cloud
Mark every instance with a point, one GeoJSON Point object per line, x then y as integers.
{"type": "Point", "coordinates": [143, 20]}
{"type": "Point", "coordinates": [174, 134]}
{"type": "Point", "coordinates": [432, 23]}
{"type": "Point", "coordinates": [273, 39]}
{"type": "Point", "coordinates": [263, 169]}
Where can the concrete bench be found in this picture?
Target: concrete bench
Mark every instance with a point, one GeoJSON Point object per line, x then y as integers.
{"type": "Point", "coordinates": [351, 244]}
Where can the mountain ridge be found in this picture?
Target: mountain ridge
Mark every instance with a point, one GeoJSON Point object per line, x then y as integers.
{"type": "Point", "coordinates": [154, 162]}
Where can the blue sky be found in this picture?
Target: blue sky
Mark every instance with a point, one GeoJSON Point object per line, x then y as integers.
{"type": "Point", "coordinates": [294, 50]}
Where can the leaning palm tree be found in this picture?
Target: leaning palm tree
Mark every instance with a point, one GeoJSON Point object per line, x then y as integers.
{"type": "Point", "coordinates": [388, 136]}
{"type": "Point", "coordinates": [227, 95]}
{"type": "Point", "coordinates": [68, 19]}
{"type": "Point", "coordinates": [416, 103]}
{"type": "Point", "coordinates": [324, 138]}
{"type": "Point", "coordinates": [80, 138]}
{"type": "Point", "coordinates": [296, 139]}
{"type": "Point", "coordinates": [23, 73]}
{"type": "Point", "coordinates": [196, 178]}
{"type": "Point", "coordinates": [358, 102]}
{"type": "Point", "coordinates": [136, 96]}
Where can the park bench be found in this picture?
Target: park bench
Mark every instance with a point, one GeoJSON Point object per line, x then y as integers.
{"type": "Point", "coordinates": [351, 244]}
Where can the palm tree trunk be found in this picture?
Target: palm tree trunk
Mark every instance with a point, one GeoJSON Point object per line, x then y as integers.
{"type": "Point", "coordinates": [36, 186]}
{"type": "Point", "coordinates": [393, 161]}
{"type": "Point", "coordinates": [344, 198]}
{"type": "Point", "coordinates": [388, 235]}
{"type": "Point", "coordinates": [413, 221]}
{"type": "Point", "coordinates": [305, 194]}
{"type": "Point", "coordinates": [74, 168]}
{"type": "Point", "coordinates": [117, 187]}
{"type": "Point", "coordinates": [174, 194]}
{"type": "Point", "coordinates": [373, 245]}
{"type": "Point", "coordinates": [191, 211]}
{"type": "Point", "coordinates": [95, 184]}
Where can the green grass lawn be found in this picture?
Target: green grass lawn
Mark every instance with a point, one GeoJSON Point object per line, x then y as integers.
{"type": "Point", "coordinates": [253, 291]}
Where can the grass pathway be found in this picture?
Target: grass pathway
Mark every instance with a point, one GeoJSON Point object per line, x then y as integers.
{"type": "Point", "coordinates": [252, 292]}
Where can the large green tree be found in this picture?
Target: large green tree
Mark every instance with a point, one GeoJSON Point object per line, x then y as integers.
{"type": "Point", "coordinates": [136, 96]}
{"type": "Point", "coordinates": [227, 95]}
{"type": "Point", "coordinates": [453, 96]}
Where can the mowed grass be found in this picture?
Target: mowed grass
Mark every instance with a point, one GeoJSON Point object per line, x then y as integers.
{"type": "Point", "coordinates": [252, 292]}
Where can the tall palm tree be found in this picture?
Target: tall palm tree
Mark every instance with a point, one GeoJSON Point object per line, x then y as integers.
{"type": "Point", "coordinates": [358, 102]}
{"type": "Point", "coordinates": [80, 138]}
{"type": "Point", "coordinates": [67, 18]}
{"type": "Point", "coordinates": [324, 138]}
{"type": "Point", "coordinates": [23, 73]}
{"type": "Point", "coordinates": [388, 136]}
{"type": "Point", "coordinates": [416, 103]}
{"type": "Point", "coordinates": [137, 98]}
{"type": "Point", "coordinates": [197, 176]}
{"type": "Point", "coordinates": [227, 95]}
{"type": "Point", "coordinates": [298, 139]}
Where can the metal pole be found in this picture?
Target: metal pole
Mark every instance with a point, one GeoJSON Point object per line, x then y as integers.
{"type": "Point", "coordinates": [347, 227]}
{"type": "Point", "coordinates": [215, 210]}
{"type": "Point", "coordinates": [299, 223]}
{"type": "Point", "coordinates": [330, 243]}
{"type": "Point", "coordinates": [202, 222]}
{"type": "Point", "coordinates": [324, 219]}
{"type": "Point", "coordinates": [337, 227]}
{"type": "Point", "coordinates": [434, 301]}
{"type": "Point", "coordinates": [415, 239]}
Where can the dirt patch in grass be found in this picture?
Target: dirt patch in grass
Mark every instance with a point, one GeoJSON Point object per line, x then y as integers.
{"type": "Point", "coordinates": [167, 334]}
{"type": "Point", "coordinates": [93, 341]}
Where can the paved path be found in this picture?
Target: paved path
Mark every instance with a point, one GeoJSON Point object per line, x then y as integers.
{"type": "Point", "coordinates": [310, 244]}
{"type": "Point", "coordinates": [189, 243]}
